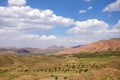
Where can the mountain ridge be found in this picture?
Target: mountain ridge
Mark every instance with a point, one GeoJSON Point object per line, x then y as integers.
{"type": "Point", "coordinates": [29, 50]}
{"type": "Point", "coordinates": [112, 44]}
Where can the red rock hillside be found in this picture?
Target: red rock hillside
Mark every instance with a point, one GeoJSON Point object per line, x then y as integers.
{"type": "Point", "coordinates": [99, 46]}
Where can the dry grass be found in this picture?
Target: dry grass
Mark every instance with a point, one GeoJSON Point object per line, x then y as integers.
{"type": "Point", "coordinates": [47, 68]}
{"type": "Point", "coordinates": [25, 77]}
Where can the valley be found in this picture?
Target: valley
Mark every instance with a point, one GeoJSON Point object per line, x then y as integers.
{"type": "Point", "coordinates": [59, 39]}
{"type": "Point", "coordinates": [96, 61]}
{"type": "Point", "coordinates": [60, 67]}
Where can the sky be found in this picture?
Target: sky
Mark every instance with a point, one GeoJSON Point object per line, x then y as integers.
{"type": "Point", "coordinates": [44, 23]}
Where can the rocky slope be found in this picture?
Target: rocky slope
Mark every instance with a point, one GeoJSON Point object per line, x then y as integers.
{"type": "Point", "coordinates": [98, 46]}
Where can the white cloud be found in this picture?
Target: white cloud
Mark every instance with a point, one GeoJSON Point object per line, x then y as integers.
{"type": "Point", "coordinates": [30, 36]}
{"type": "Point", "coordinates": [51, 37]}
{"type": "Point", "coordinates": [3, 31]}
{"type": "Point", "coordinates": [82, 11]}
{"type": "Point", "coordinates": [16, 2]}
{"type": "Point", "coordinates": [117, 26]}
{"type": "Point", "coordinates": [17, 22]}
{"type": "Point", "coordinates": [89, 8]}
{"type": "Point", "coordinates": [115, 31]}
{"type": "Point", "coordinates": [92, 26]}
{"type": "Point", "coordinates": [94, 29]}
{"type": "Point", "coordinates": [115, 6]}
{"type": "Point", "coordinates": [88, 0]}
{"type": "Point", "coordinates": [38, 37]}
{"type": "Point", "coordinates": [15, 17]}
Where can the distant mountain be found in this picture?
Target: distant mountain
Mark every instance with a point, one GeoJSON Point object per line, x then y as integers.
{"type": "Point", "coordinates": [29, 50]}
{"type": "Point", "coordinates": [53, 49]}
{"type": "Point", "coordinates": [98, 46]}
{"type": "Point", "coordinates": [56, 47]}
{"type": "Point", "coordinates": [78, 46]}
{"type": "Point", "coordinates": [14, 50]}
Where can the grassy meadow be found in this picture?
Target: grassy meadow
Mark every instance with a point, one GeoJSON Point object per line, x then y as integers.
{"type": "Point", "coordinates": [81, 66]}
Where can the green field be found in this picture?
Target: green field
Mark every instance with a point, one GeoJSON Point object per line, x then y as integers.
{"type": "Point", "coordinates": [81, 66]}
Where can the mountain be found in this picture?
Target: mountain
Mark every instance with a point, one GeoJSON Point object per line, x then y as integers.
{"type": "Point", "coordinates": [51, 49]}
{"type": "Point", "coordinates": [98, 46]}
{"type": "Point", "coordinates": [78, 46]}
{"type": "Point", "coordinates": [55, 47]}
{"type": "Point", "coordinates": [14, 50]}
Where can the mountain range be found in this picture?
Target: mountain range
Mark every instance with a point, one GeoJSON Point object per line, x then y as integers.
{"type": "Point", "coordinates": [98, 46]}
{"type": "Point", "coordinates": [30, 50]}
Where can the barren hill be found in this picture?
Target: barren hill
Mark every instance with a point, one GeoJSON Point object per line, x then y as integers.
{"type": "Point", "coordinates": [98, 46]}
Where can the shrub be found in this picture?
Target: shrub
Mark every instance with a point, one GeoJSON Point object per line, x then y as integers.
{"type": "Point", "coordinates": [56, 78]}
{"type": "Point", "coordinates": [65, 77]}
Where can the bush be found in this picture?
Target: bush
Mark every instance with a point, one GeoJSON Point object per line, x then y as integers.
{"type": "Point", "coordinates": [51, 75]}
{"type": "Point", "coordinates": [65, 77]}
{"type": "Point", "coordinates": [56, 78]}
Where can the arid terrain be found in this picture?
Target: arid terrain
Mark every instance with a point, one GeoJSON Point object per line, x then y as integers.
{"type": "Point", "coordinates": [98, 46]}
{"type": "Point", "coordinates": [101, 63]}
{"type": "Point", "coordinates": [59, 39]}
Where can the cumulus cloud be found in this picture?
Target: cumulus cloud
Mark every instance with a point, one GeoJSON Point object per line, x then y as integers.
{"type": "Point", "coordinates": [115, 30]}
{"type": "Point", "coordinates": [43, 37]}
{"type": "Point", "coordinates": [51, 37]}
{"type": "Point", "coordinates": [82, 11]}
{"type": "Point", "coordinates": [17, 21]}
{"type": "Point", "coordinates": [16, 2]}
{"type": "Point", "coordinates": [94, 29]}
{"type": "Point", "coordinates": [117, 26]}
{"type": "Point", "coordinates": [17, 18]}
{"type": "Point", "coordinates": [89, 8]}
{"type": "Point", "coordinates": [115, 6]}
{"type": "Point", "coordinates": [92, 26]}
{"type": "Point", "coordinates": [85, 10]}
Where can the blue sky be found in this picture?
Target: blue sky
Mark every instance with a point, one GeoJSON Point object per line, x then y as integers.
{"type": "Point", "coordinates": [70, 8]}
{"type": "Point", "coordinates": [43, 23]}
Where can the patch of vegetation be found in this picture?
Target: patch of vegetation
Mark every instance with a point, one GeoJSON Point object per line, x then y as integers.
{"type": "Point", "coordinates": [84, 66]}
{"type": "Point", "coordinates": [97, 54]}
